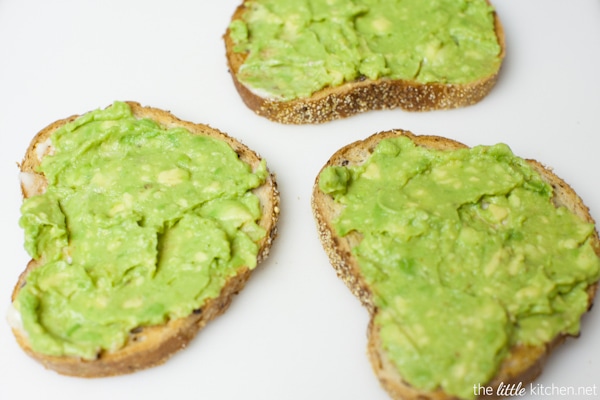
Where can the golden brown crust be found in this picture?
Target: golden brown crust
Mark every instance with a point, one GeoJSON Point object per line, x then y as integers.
{"type": "Point", "coordinates": [149, 346]}
{"type": "Point", "coordinates": [523, 364]}
{"type": "Point", "coordinates": [361, 95]}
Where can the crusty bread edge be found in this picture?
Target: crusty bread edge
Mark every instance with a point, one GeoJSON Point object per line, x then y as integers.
{"type": "Point", "coordinates": [361, 95]}
{"type": "Point", "coordinates": [524, 363]}
{"type": "Point", "coordinates": [149, 346]}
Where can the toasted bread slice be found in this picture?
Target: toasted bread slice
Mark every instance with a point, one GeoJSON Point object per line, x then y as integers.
{"type": "Point", "coordinates": [523, 362]}
{"type": "Point", "coordinates": [146, 346]}
{"type": "Point", "coordinates": [362, 94]}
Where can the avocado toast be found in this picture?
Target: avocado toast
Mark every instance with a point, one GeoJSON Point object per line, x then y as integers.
{"type": "Point", "coordinates": [141, 228]}
{"type": "Point", "coordinates": [473, 263]}
{"type": "Point", "coordinates": [313, 61]}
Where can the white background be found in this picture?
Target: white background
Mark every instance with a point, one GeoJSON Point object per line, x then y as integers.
{"type": "Point", "coordinates": [295, 332]}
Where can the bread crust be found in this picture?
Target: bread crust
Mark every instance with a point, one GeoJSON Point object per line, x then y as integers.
{"type": "Point", "coordinates": [523, 364]}
{"type": "Point", "coordinates": [153, 345]}
{"type": "Point", "coordinates": [361, 95]}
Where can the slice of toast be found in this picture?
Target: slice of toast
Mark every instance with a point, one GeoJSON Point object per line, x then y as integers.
{"type": "Point", "coordinates": [146, 346]}
{"type": "Point", "coordinates": [522, 364]}
{"type": "Point", "coordinates": [361, 94]}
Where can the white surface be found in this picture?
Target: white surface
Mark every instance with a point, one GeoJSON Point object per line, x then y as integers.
{"type": "Point", "coordinates": [295, 332]}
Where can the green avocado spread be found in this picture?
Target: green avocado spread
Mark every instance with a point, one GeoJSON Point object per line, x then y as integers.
{"type": "Point", "coordinates": [297, 47]}
{"type": "Point", "coordinates": [139, 224]}
{"type": "Point", "coordinates": [465, 255]}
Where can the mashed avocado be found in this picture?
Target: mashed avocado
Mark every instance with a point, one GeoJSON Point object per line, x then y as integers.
{"type": "Point", "coordinates": [465, 255]}
{"type": "Point", "coordinates": [298, 47]}
{"type": "Point", "coordinates": [138, 225]}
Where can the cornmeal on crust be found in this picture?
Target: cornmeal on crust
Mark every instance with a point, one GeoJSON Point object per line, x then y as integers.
{"type": "Point", "coordinates": [362, 94]}
{"type": "Point", "coordinates": [147, 346]}
{"type": "Point", "coordinates": [523, 362]}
